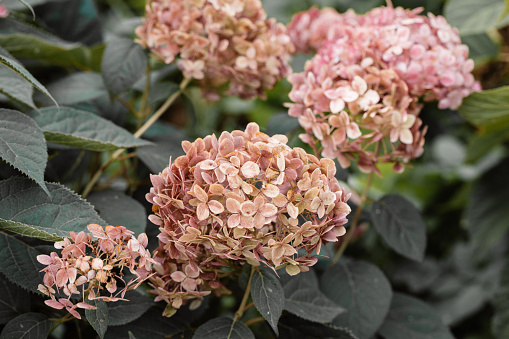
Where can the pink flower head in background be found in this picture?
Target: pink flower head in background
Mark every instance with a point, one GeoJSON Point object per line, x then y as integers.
{"type": "Point", "coordinates": [224, 44]}
{"type": "Point", "coordinates": [244, 197]}
{"type": "Point", "coordinates": [4, 13]}
{"type": "Point", "coordinates": [364, 83]}
{"type": "Point", "coordinates": [91, 266]}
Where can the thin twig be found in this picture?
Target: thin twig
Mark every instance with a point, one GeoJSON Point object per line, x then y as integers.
{"type": "Point", "coordinates": [254, 321]}
{"type": "Point", "coordinates": [137, 134]}
{"type": "Point", "coordinates": [242, 306]}
{"type": "Point", "coordinates": [358, 212]}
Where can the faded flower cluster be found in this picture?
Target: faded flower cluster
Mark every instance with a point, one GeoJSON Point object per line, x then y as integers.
{"type": "Point", "coordinates": [364, 83]}
{"type": "Point", "coordinates": [222, 43]}
{"type": "Point", "coordinates": [92, 266]}
{"type": "Point", "coordinates": [241, 198]}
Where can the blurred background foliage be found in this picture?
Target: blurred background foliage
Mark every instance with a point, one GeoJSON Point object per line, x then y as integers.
{"type": "Point", "coordinates": [461, 183]}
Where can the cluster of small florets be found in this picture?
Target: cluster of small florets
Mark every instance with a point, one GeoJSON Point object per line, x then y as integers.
{"type": "Point", "coordinates": [92, 266]}
{"type": "Point", "coordinates": [241, 198]}
{"type": "Point", "coordinates": [365, 81]}
{"type": "Point", "coordinates": [220, 43]}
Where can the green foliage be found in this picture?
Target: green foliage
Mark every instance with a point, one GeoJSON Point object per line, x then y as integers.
{"type": "Point", "coordinates": [363, 290]}
{"type": "Point", "coordinates": [98, 318]}
{"type": "Point", "coordinates": [27, 326]}
{"type": "Point", "coordinates": [22, 145]}
{"type": "Point", "coordinates": [18, 263]}
{"type": "Point", "coordinates": [223, 328]}
{"type": "Point", "coordinates": [72, 127]}
{"type": "Point", "coordinates": [13, 301]}
{"type": "Point", "coordinates": [411, 318]}
{"type": "Point", "coordinates": [268, 296]}
{"type": "Point", "coordinates": [125, 312]}
{"type": "Point", "coordinates": [400, 225]}
{"type": "Point", "coordinates": [473, 17]}
{"type": "Point", "coordinates": [27, 210]}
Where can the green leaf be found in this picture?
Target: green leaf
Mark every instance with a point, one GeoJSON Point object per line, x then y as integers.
{"type": "Point", "coordinates": [282, 123]}
{"type": "Point", "coordinates": [363, 290]}
{"type": "Point", "coordinates": [157, 157]}
{"type": "Point", "coordinates": [123, 312]}
{"type": "Point", "coordinates": [18, 262]}
{"type": "Point", "coordinates": [98, 318]}
{"type": "Point", "coordinates": [223, 328]}
{"type": "Point", "coordinates": [500, 321]}
{"type": "Point", "coordinates": [417, 276]}
{"type": "Point", "coordinates": [308, 302]}
{"type": "Point", "coordinates": [411, 318]}
{"type": "Point", "coordinates": [17, 5]}
{"type": "Point", "coordinates": [77, 87]}
{"type": "Point", "coordinates": [52, 51]}
{"type": "Point", "coordinates": [25, 209]}
{"type": "Point", "coordinates": [123, 63]}
{"type": "Point", "coordinates": [22, 145]}
{"type": "Point", "coordinates": [152, 325]}
{"type": "Point", "coordinates": [73, 127]}
{"type": "Point", "coordinates": [490, 107]}
{"type": "Point", "coordinates": [487, 215]}
{"type": "Point", "coordinates": [473, 16]}
{"type": "Point", "coordinates": [161, 91]}
{"type": "Point", "coordinates": [401, 226]}
{"type": "Point", "coordinates": [293, 327]}
{"type": "Point", "coordinates": [268, 296]}
{"type": "Point", "coordinates": [119, 209]}
{"type": "Point", "coordinates": [7, 60]}
{"type": "Point", "coordinates": [27, 326]}
{"type": "Point", "coordinates": [486, 139]}
{"type": "Point", "coordinates": [481, 48]}
{"type": "Point", "coordinates": [13, 300]}
{"type": "Point", "coordinates": [16, 87]}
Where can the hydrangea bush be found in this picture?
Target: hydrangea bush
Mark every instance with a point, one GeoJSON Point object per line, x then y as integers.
{"type": "Point", "coordinates": [201, 169]}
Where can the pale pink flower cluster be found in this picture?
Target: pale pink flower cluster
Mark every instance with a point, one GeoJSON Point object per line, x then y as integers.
{"type": "Point", "coordinates": [92, 266]}
{"type": "Point", "coordinates": [241, 198]}
{"type": "Point", "coordinates": [220, 43]}
{"type": "Point", "coordinates": [4, 13]}
{"type": "Point", "coordinates": [364, 83]}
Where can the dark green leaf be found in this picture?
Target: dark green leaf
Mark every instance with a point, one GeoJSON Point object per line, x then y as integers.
{"type": "Point", "coordinates": [472, 16]}
{"type": "Point", "coordinates": [363, 290]}
{"type": "Point", "coordinates": [13, 300]}
{"type": "Point", "coordinates": [417, 276]}
{"type": "Point", "coordinates": [124, 62]}
{"type": "Point", "coordinates": [18, 262]}
{"type": "Point", "coordinates": [487, 215]}
{"type": "Point", "coordinates": [486, 139]}
{"type": "Point", "coordinates": [17, 5]}
{"type": "Point", "coordinates": [293, 327]}
{"type": "Point", "coordinates": [73, 127]}
{"type": "Point", "coordinates": [223, 328]}
{"type": "Point", "coordinates": [152, 325]}
{"type": "Point", "coordinates": [52, 51]}
{"type": "Point", "coordinates": [307, 302]}
{"type": "Point", "coordinates": [411, 318]}
{"type": "Point", "coordinates": [98, 318]}
{"type": "Point", "coordinates": [77, 87]}
{"type": "Point", "coordinates": [14, 65]}
{"type": "Point", "coordinates": [76, 20]}
{"type": "Point", "coordinates": [123, 312]}
{"type": "Point", "coordinates": [119, 209]}
{"type": "Point", "coordinates": [161, 91]}
{"type": "Point", "coordinates": [500, 322]}
{"type": "Point", "coordinates": [282, 123]}
{"type": "Point", "coordinates": [27, 210]}
{"type": "Point", "coordinates": [22, 145]}
{"type": "Point", "coordinates": [489, 107]}
{"type": "Point", "coordinates": [268, 296]}
{"type": "Point", "coordinates": [401, 226]}
{"type": "Point", "coordinates": [157, 157]}
{"type": "Point", "coordinates": [481, 48]}
{"type": "Point", "coordinates": [27, 326]}
{"type": "Point", "coordinates": [16, 87]}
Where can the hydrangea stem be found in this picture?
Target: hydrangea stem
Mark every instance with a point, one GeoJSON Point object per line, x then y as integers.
{"type": "Point", "coordinates": [137, 134]}
{"type": "Point", "coordinates": [358, 212]}
{"type": "Point", "coordinates": [242, 306]}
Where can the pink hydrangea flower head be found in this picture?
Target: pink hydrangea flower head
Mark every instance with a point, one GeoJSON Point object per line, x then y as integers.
{"type": "Point", "coordinates": [244, 197]}
{"type": "Point", "coordinates": [4, 13]}
{"type": "Point", "coordinates": [88, 266]}
{"type": "Point", "coordinates": [224, 44]}
{"type": "Point", "coordinates": [365, 81]}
